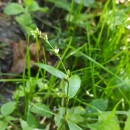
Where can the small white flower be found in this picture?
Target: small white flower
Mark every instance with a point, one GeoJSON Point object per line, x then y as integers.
{"type": "Point", "coordinates": [45, 38]}
{"type": "Point", "coordinates": [128, 19]}
{"type": "Point", "coordinates": [56, 51]}
{"type": "Point", "coordinates": [128, 39]}
{"type": "Point", "coordinates": [36, 33]}
{"type": "Point", "coordinates": [128, 27]}
{"type": "Point", "coordinates": [89, 94]}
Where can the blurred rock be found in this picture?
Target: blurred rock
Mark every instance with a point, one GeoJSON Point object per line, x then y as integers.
{"type": "Point", "coordinates": [9, 33]}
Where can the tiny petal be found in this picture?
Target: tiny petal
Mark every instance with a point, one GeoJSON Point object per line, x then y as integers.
{"type": "Point", "coordinates": [46, 38]}
{"type": "Point", "coordinates": [36, 33]}
{"type": "Point", "coordinates": [56, 51]}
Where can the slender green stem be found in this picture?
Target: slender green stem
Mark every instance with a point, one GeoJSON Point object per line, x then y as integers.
{"type": "Point", "coordinates": [25, 64]}
{"type": "Point", "coordinates": [67, 98]}
{"type": "Point", "coordinates": [65, 52]}
{"type": "Point", "coordinates": [37, 48]}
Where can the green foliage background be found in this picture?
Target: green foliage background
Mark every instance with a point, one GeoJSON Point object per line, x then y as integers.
{"type": "Point", "coordinates": [88, 87]}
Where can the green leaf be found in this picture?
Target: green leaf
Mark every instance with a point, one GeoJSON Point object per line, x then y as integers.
{"type": "Point", "coordinates": [31, 120]}
{"type": "Point", "coordinates": [78, 110]}
{"type": "Point", "coordinates": [52, 70]}
{"type": "Point", "coordinates": [28, 2]}
{"type": "Point", "coordinates": [10, 118]}
{"type": "Point", "coordinates": [63, 4]}
{"type": "Point", "coordinates": [75, 114]}
{"type": "Point", "coordinates": [41, 109]}
{"type": "Point", "coordinates": [3, 125]}
{"type": "Point", "coordinates": [33, 7]}
{"type": "Point", "coordinates": [127, 123]}
{"type": "Point", "coordinates": [97, 105]}
{"type": "Point", "coordinates": [13, 9]}
{"type": "Point", "coordinates": [74, 85]}
{"type": "Point", "coordinates": [87, 3]}
{"type": "Point", "coordinates": [73, 126]}
{"type": "Point", "coordinates": [8, 108]}
{"type": "Point", "coordinates": [25, 125]}
{"type": "Point", "coordinates": [105, 122]}
{"type": "Point", "coordinates": [72, 116]}
{"type": "Point", "coordinates": [44, 9]}
{"type": "Point", "coordinates": [25, 20]}
{"type": "Point", "coordinates": [59, 118]}
{"type": "Point", "coordinates": [76, 118]}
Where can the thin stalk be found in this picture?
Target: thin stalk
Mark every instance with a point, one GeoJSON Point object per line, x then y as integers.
{"type": "Point", "coordinates": [67, 98]}
{"type": "Point", "coordinates": [90, 62]}
{"type": "Point", "coordinates": [64, 53]}
{"type": "Point", "coordinates": [26, 97]}
{"type": "Point", "coordinates": [37, 48]}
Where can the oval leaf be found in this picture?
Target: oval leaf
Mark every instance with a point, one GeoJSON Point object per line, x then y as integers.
{"type": "Point", "coordinates": [59, 117]}
{"type": "Point", "coordinates": [63, 4]}
{"type": "Point", "coordinates": [52, 70]}
{"type": "Point", "coordinates": [3, 125]}
{"type": "Point", "coordinates": [41, 109]}
{"type": "Point", "coordinates": [24, 19]}
{"type": "Point", "coordinates": [31, 120]}
{"type": "Point", "coordinates": [73, 126]}
{"type": "Point", "coordinates": [25, 125]}
{"type": "Point", "coordinates": [8, 108]}
{"type": "Point", "coordinates": [127, 123]}
{"type": "Point", "coordinates": [97, 105]}
{"type": "Point", "coordinates": [105, 122]}
{"type": "Point", "coordinates": [74, 85]}
{"type": "Point", "coordinates": [13, 9]}
{"type": "Point", "coordinates": [33, 7]}
{"type": "Point", "coordinates": [75, 118]}
{"type": "Point", "coordinates": [28, 2]}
